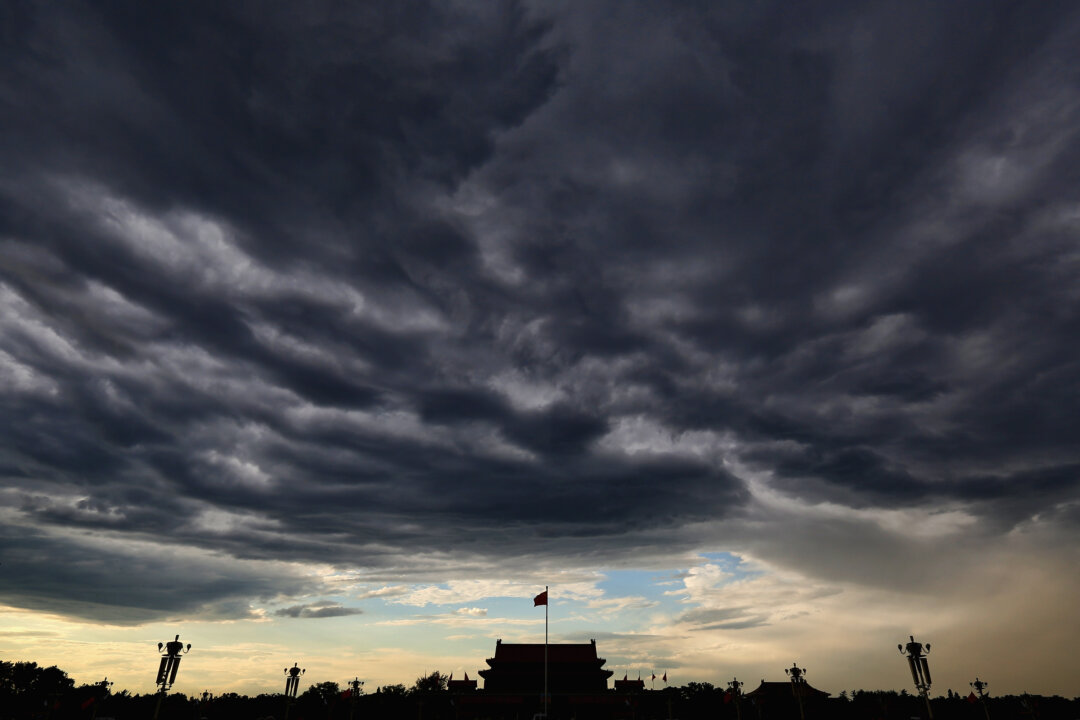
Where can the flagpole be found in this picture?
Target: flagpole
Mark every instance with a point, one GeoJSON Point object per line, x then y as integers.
{"type": "Point", "coordinates": [546, 603]}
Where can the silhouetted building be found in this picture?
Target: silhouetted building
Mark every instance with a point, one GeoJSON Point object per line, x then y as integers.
{"type": "Point", "coordinates": [514, 685]}
{"type": "Point", "coordinates": [779, 699]}
{"type": "Point", "coordinates": [465, 685]}
{"type": "Point", "coordinates": [573, 668]}
{"type": "Point", "coordinates": [625, 685]}
{"type": "Point", "coordinates": [785, 691]}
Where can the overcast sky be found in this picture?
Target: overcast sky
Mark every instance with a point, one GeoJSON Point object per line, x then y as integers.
{"type": "Point", "coordinates": [332, 334]}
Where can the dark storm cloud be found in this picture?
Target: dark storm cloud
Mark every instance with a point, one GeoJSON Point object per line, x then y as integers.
{"type": "Point", "coordinates": [122, 584]}
{"type": "Point", "coordinates": [555, 430]}
{"type": "Point", "coordinates": [315, 284]}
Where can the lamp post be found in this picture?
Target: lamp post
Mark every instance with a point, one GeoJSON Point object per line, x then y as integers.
{"type": "Point", "coordinates": [980, 690]}
{"type": "Point", "coordinates": [170, 663]}
{"type": "Point", "coordinates": [920, 669]}
{"type": "Point", "coordinates": [292, 684]}
{"type": "Point", "coordinates": [201, 702]}
{"type": "Point", "coordinates": [735, 688]}
{"type": "Point", "coordinates": [797, 682]}
{"type": "Point", "coordinates": [103, 692]}
{"type": "Point", "coordinates": [356, 686]}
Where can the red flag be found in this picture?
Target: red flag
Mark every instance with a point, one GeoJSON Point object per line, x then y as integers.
{"type": "Point", "coordinates": [540, 599]}
{"type": "Point", "coordinates": [466, 676]}
{"type": "Point", "coordinates": [654, 676]}
{"type": "Point", "coordinates": [971, 698]}
{"type": "Point", "coordinates": [346, 695]}
{"type": "Point", "coordinates": [665, 677]}
{"type": "Point", "coordinates": [624, 677]}
{"type": "Point", "coordinates": [727, 697]}
{"type": "Point", "coordinates": [87, 702]}
{"type": "Point", "coordinates": [451, 676]}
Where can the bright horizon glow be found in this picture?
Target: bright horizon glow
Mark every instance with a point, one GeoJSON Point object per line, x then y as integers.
{"type": "Point", "coordinates": [644, 621]}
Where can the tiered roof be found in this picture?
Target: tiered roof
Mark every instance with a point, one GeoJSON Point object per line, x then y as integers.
{"type": "Point", "coordinates": [557, 653]}
{"type": "Point", "coordinates": [519, 667]}
{"type": "Point", "coordinates": [785, 691]}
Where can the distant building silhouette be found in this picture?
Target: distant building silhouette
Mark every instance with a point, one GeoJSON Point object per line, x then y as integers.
{"type": "Point", "coordinates": [514, 685]}
{"type": "Point", "coordinates": [632, 686]}
{"type": "Point", "coordinates": [465, 685]}
{"type": "Point", "coordinates": [778, 699]}
{"type": "Point", "coordinates": [519, 668]}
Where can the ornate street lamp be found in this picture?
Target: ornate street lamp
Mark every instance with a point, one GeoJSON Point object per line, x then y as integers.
{"type": "Point", "coordinates": [980, 689]}
{"type": "Point", "coordinates": [170, 663]}
{"type": "Point", "coordinates": [795, 673]}
{"type": "Point", "coordinates": [797, 685]}
{"type": "Point", "coordinates": [920, 669]}
{"type": "Point", "coordinates": [356, 686]}
{"type": "Point", "coordinates": [292, 684]}
{"type": "Point", "coordinates": [735, 690]}
{"type": "Point", "coordinates": [292, 679]}
{"type": "Point", "coordinates": [206, 696]}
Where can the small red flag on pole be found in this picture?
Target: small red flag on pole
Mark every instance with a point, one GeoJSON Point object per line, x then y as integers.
{"type": "Point", "coordinates": [541, 599]}
{"type": "Point", "coordinates": [971, 698]}
{"type": "Point", "coordinates": [665, 676]}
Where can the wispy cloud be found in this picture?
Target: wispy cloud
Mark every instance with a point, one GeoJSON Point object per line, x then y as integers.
{"type": "Point", "coordinates": [317, 610]}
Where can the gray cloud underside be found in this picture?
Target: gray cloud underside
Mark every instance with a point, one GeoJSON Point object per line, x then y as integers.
{"type": "Point", "coordinates": [352, 287]}
{"type": "Point", "coordinates": [130, 585]}
{"type": "Point", "coordinates": [315, 610]}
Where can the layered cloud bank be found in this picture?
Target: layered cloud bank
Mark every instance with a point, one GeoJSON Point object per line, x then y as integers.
{"type": "Point", "coordinates": [306, 313]}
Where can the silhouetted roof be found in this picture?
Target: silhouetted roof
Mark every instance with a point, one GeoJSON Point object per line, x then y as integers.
{"type": "Point", "coordinates": [557, 653]}
{"type": "Point", "coordinates": [783, 690]}
{"type": "Point", "coordinates": [637, 685]}
{"type": "Point", "coordinates": [518, 667]}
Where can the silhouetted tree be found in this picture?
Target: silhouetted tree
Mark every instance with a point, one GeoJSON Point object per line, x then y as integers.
{"type": "Point", "coordinates": [430, 683]}
{"type": "Point", "coordinates": [324, 693]}
{"type": "Point", "coordinates": [30, 692]}
{"type": "Point", "coordinates": [25, 687]}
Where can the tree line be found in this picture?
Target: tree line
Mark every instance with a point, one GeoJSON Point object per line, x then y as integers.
{"type": "Point", "coordinates": [31, 692]}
